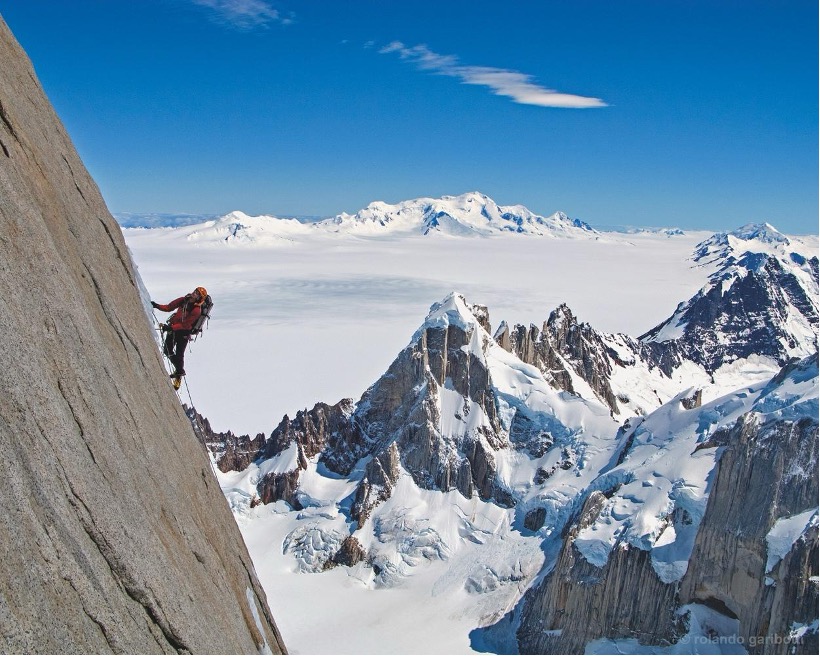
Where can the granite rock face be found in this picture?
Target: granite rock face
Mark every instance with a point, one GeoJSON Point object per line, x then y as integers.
{"type": "Point", "coordinates": [580, 602]}
{"type": "Point", "coordinates": [564, 345]}
{"type": "Point", "coordinates": [403, 408]}
{"type": "Point", "coordinates": [114, 534]}
{"type": "Point", "coordinates": [397, 421]}
{"type": "Point", "coordinates": [766, 472]}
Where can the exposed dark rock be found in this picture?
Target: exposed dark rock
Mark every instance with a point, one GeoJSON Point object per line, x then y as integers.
{"type": "Point", "coordinates": [563, 345]}
{"type": "Point", "coordinates": [381, 475]}
{"type": "Point", "coordinates": [231, 452]}
{"type": "Point", "coordinates": [482, 315]}
{"type": "Point", "coordinates": [736, 316]}
{"type": "Point", "coordinates": [579, 602]}
{"type": "Point", "coordinates": [692, 401]}
{"type": "Point", "coordinates": [275, 487]}
{"type": "Point", "coordinates": [534, 519]}
{"type": "Point", "coordinates": [765, 472]}
{"type": "Point", "coordinates": [313, 429]}
{"type": "Point", "coordinates": [350, 553]}
{"type": "Point", "coordinates": [397, 422]}
{"type": "Point", "coordinates": [402, 409]}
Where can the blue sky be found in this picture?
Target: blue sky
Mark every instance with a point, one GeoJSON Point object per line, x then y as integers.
{"type": "Point", "coordinates": [695, 113]}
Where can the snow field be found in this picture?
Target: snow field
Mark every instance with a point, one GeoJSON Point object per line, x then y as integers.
{"type": "Point", "coordinates": [302, 316]}
{"type": "Point", "coordinates": [321, 319]}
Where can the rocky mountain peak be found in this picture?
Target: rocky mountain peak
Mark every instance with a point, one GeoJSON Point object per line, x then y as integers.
{"type": "Point", "coordinates": [754, 238]}
{"type": "Point", "coordinates": [567, 353]}
{"type": "Point", "coordinates": [619, 511]}
{"type": "Point", "coordinates": [753, 296]}
{"type": "Point", "coordinates": [561, 319]}
{"type": "Point", "coordinates": [455, 310]}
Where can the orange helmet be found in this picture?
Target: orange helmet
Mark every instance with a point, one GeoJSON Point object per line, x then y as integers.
{"type": "Point", "coordinates": [202, 294]}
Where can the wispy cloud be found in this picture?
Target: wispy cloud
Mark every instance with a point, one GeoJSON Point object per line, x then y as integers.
{"type": "Point", "coordinates": [244, 14]}
{"type": "Point", "coordinates": [502, 82]}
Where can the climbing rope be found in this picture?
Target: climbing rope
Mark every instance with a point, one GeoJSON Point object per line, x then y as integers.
{"type": "Point", "coordinates": [193, 417]}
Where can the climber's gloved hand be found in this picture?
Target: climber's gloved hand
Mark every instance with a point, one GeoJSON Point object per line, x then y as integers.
{"type": "Point", "coordinates": [155, 305]}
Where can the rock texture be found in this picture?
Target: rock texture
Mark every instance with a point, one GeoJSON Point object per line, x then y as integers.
{"type": "Point", "coordinates": [562, 346]}
{"type": "Point", "coordinates": [767, 470]}
{"type": "Point", "coordinates": [661, 541]}
{"type": "Point", "coordinates": [231, 452]}
{"type": "Point", "coordinates": [397, 421]}
{"type": "Point", "coordinates": [760, 302]}
{"type": "Point", "coordinates": [756, 303]}
{"type": "Point", "coordinates": [580, 602]}
{"type": "Point", "coordinates": [765, 473]}
{"type": "Point", "coordinates": [114, 535]}
{"type": "Point", "coordinates": [647, 536]}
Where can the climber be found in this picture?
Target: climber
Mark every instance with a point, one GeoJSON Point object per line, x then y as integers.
{"type": "Point", "coordinates": [180, 326]}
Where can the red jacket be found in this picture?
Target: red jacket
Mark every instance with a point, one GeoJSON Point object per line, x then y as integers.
{"type": "Point", "coordinates": [185, 315]}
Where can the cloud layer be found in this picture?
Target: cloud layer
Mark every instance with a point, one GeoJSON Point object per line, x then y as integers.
{"type": "Point", "coordinates": [502, 82]}
{"type": "Point", "coordinates": [243, 14]}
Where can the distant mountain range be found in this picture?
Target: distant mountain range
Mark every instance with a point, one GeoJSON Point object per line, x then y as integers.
{"type": "Point", "coordinates": [671, 479]}
{"type": "Point", "coordinates": [471, 214]}
{"type": "Point", "coordinates": [466, 215]}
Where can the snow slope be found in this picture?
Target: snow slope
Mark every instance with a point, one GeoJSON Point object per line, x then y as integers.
{"type": "Point", "coordinates": [665, 473]}
{"type": "Point", "coordinates": [470, 214]}
{"type": "Point", "coordinates": [472, 559]}
{"type": "Point", "coordinates": [317, 314]}
{"type": "Point", "coordinates": [436, 550]}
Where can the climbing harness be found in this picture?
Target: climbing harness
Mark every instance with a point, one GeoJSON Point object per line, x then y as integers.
{"type": "Point", "coordinates": [193, 415]}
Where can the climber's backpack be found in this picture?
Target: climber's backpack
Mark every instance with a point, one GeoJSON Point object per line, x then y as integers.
{"type": "Point", "coordinates": [205, 314]}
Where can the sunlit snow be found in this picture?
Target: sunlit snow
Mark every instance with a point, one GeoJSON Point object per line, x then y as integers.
{"type": "Point", "coordinates": [316, 312]}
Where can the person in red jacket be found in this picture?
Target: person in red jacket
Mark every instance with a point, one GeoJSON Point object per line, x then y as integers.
{"type": "Point", "coordinates": [179, 327]}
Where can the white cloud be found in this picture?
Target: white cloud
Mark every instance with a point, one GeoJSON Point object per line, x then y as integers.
{"type": "Point", "coordinates": [502, 82]}
{"type": "Point", "coordinates": [244, 14]}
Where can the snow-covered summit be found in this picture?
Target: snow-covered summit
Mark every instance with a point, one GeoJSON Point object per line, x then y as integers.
{"type": "Point", "coordinates": [240, 228]}
{"type": "Point", "coordinates": [463, 454]}
{"type": "Point", "coordinates": [469, 214]}
{"type": "Point", "coordinates": [455, 310]}
{"type": "Point", "coordinates": [751, 238]}
{"type": "Point", "coordinates": [764, 232]}
{"type": "Point", "coordinates": [762, 298]}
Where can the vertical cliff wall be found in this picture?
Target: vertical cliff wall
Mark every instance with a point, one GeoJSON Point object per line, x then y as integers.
{"type": "Point", "coordinates": [740, 567]}
{"type": "Point", "coordinates": [114, 535]}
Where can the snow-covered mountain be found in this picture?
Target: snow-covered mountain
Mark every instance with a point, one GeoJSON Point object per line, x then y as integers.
{"type": "Point", "coordinates": [454, 411]}
{"type": "Point", "coordinates": [469, 215]}
{"type": "Point", "coordinates": [703, 531]}
{"type": "Point", "coordinates": [466, 215]}
{"type": "Point", "coordinates": [756, 312]}
{"type": "Point", "coordinates": [762, 300]}
{"type": "Point", "coordinates": [752, 237]}
{"type": "Point", "coordinates": [577, 466]}
{"type": "Point", "coordinates": [238, 228]}
{"type": "Point", "coordinates": [506, 456]}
